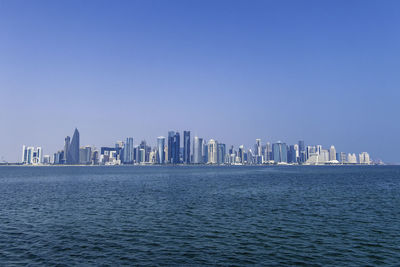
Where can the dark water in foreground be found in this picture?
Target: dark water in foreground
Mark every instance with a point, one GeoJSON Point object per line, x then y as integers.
{"type": "Point", "coordinates": [200, 215]}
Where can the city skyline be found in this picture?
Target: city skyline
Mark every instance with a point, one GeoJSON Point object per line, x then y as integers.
{"type": "Point", "coordinates": [236, 71]}
{"type": "Point", "coordinates": [173, 150]}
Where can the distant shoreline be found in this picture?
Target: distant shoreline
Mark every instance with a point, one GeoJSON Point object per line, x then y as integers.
{"type": "Point", "coordinates": [190, 165]}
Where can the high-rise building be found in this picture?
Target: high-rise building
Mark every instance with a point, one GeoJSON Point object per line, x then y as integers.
{"type": "Point", "coordinates": [267, 152]}
{"type": "Point", "coordinates": [204, 152]}
{"type": "Point", "coordinates": [58, 157]}
{"type": "Point", "coordinates": [323, 156]}
{"type": "Point", "coordinates": [258, 148]}
{"type": "Point", "coordinates": [241, 154]}
{"type": "Point", "coordinates": [332, 153]}
{"type": "Point", "coordinates": [46, 159]}
{"type": "Point", "coordinates": [279, 151]}
{"type": "Point", "coordinates": [302, 152]}
{"type": "Point", "coordinates": [197, 150]}
{"type": "Point", "coordinates": [171, 145]}
{"type": "Point", "coordinates": [128, 151]}
{"type": "Point", "coordinates": [351, 158]}
{"type": "Point", "coordinates": [73, 149]}
{"type": "Point", "coordinates": [85, 154]}
{"type": "Point", "coordinates": [31, 155]}
{"type": "Point", "coordinates": [212, 152]}
{"type": "Point", "coordinates": [221, 153]}
{"type": "Point", "coordinates": [176, 149]}
{"type": "Point", "coordinates": [364, 158]}
{"type": "Point", "coordinates": [160, 149]}
{"type": "Point", "coordinates": [343, 157]}
{"type": "Point", "coordinates": [292, 157]}
{"type": "Point", "coordinates": [186, 147]}
{"type": "Point", "coordinates": [67, 142]}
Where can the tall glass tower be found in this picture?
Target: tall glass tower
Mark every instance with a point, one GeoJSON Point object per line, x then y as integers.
{"type": "Point", "coordinates": [160, 150]}
{"type": "Point", "coordinates": [197, 150]}
{"type": "Point", "coordinates": [186, 147]}
{"type": "Point", "coordinates": [73, 149]}
{"type": "Point", "coordinates": [128, 151]}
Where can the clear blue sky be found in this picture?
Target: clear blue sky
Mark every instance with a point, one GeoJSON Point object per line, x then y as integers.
{"type": "Point", "coordinates": [323, 71]}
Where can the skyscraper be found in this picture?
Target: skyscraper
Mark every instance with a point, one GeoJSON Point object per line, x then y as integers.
{"type": "Point", "coordinates": [258, 149]}
{"type": "Point", "coordinates": [302, 152]}
{"type": "Point", "coordinates": [128, 151]}
{"type": "Point", "coordinates": [171, 136]}
{"type": "Point", "coordinates": [332, 153]}
{"type": "Point", "coordinates": [176, 148]}
{"type": "Point", "coordinates": [197, 150]}
{"type": "Point", "coordinates": [221, 153]}
{"type": "Point", "coordinates": [160, 150]}
{"type": "Point", "coordinates": [67, 141]}
{"type": "Point", "coordinates": [31, 155]}
{"type": "Point", "coordinates": [73, 149]}
{"type": "Point", "coordinates": [279, 150]}
{"type": "Point", "coordinates": [268, 152]}
{"type": "Point", "coordinates": [212, 152]}
{"type": "Point", "coordinates": [186, 147]}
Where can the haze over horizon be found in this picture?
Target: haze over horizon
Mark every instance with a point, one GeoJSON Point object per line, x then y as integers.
{"type": "Point", "coordinates": [325, 72]}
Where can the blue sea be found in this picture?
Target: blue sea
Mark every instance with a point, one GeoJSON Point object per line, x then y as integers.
{"type": "Point", "coordinates": [186, 215]}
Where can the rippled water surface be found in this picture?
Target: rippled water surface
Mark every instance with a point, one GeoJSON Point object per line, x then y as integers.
{"type": "Point", "coordinates": [200, 215]}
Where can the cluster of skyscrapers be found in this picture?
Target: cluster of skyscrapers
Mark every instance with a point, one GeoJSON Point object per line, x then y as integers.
{"type": "Point", "coordinates": [171, 150]}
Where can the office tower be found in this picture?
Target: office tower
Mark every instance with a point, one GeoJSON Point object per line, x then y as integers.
{"type": "Point", "coordinates": [160, 149]}
{"type": "Point", "coordinates": [258, 148]}
{"type": "Point", "coordinates": [46, 159]}
{"type": "Point", "coordinates": [171, 136]}
{"type": "Point", "coordinates": [204, 151]}
{"type": "Point", "coordinates": [31, 155]}
{"type": "Point", "coordinates": [176, 147]}
{"type": "Point", "coordinates": [128, 151]}
{"type": "Point", "coordinates": [166, 153]}
{"type": "Point", "coordinates": [323, 156]}
{"type": "Point", "coordinates": [332, 153]}
{"type": "Point", "coordinates": [120, 147]}
{"type": "Point", "coordinates": [351, 158]}
{"type": "Point", "coordinates": [24, 155]}
{"type": "Point", "coordinates": [279, 151]}
{"type": "Point", "coordinates": [142, 155]}
{"type": "Point", "coordinates": [292, 158]}
{"type": "Point", "coordinates": [267, 152]}
{"type": "Point", "coordinates": [364, 158]}
{"type": "Point", "coordinates": [186, 147]}
{"type": "Point", "coordinates": [319, 148]}
{"type": "Point", "coordinates": [73, 149]}
{"type": "Point", "coordinates": [67, 142]}
{"type": "Point", "coordinates": [241, 154]}
{"type": "Point", "coordinates": [95, 157]}
{"type": "Point", "coordinates": [58, 157]}
{"type": "Point", "coordinates": [197, 150]}
{"type": "Point", "coordinates": [343, 158]}
{"type": "Point", "coordinates": [310, 150]}
{"type": "Point", "coordinates": [250, 158]}
{"type": "Point", "coordinates": [85, 154]}
{"type": "Point", "coordinates": [212, 151]}
{"type": "Point", "coordinates": [221, 153]}
{"type": "Point", "coordinates": [302, 152]}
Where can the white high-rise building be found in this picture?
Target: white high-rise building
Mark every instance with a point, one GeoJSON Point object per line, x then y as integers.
{"type": "Point", "coordinates": [31, 155]}
{"type": "Point", "coordinates": [212, 151]}
{"type": "Point", "coordinates": [296, 148]}
{"type": "Point", "coordinates": [323, 156]}
{"type": "Point", "coordinates": [351, 158]}
{"type": "Point", "coordinates": [258, 151]}
{"type": "Point", "coordinates": [332, 153]}
{"type": "Point", "coordinates": [364, 158]}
